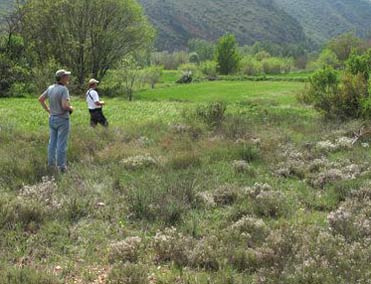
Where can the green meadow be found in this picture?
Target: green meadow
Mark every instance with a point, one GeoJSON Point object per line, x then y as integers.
{"type": "Point", "coordinates": [213, 182]}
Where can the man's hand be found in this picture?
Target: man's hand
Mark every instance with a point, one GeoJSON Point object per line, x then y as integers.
{"type": "Point", "coordinates": [71, 110]}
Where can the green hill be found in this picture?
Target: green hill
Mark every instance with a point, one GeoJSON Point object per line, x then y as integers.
{"type": "Point", "coordinates": [278, 21]}
{"type": "Point", "coordinates": [250, 20]}
{"type": "Point", "coordinates": [324, 19]}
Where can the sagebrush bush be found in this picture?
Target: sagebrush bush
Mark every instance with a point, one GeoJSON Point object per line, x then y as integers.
{"type": "Point", "coordinates": [170, 245]}
{"type": "Point", "coordinates": [125, 251]}
{"type": "Point", "coordinates": [271, 204]}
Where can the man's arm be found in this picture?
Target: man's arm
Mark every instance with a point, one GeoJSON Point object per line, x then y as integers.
{"type": "Point", "coordinates": [42, 100]}
{"type": "Point", "coordinates": [66, 105]}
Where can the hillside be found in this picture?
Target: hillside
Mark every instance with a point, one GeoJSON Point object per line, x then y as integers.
{"type": "Point", "coordinates": [253, 20]}
{"type": "Point", "coordinates": [249, 20]}
{"type": "Point", "coordinates": [324, 19]}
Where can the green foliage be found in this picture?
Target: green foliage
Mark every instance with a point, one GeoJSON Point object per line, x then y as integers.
{"type": "Point", "coordinates": [275, 65]}
{"type": "Point", "coordinates": [348, 98]}
{"type": "Point", "coordinates": [360, 64]}
{"type": "Point", "coordinates": [194, 58]}
{"type": "Point", "coordinates": [88, 37]}
{"type": "Point", "coordinates": [343, 45]}
{"type": "Point", "coordinates": [170, 61]}
{"type": "Point", "coordinates": [227, 55]}
{"type": "Point", "coordinates": [152, 75]}
{"type": "Point", "coordinates": [250, 66]}
{"type": "Point", "coordinates": [209, 69]}
{"type": "Point", "coordinates": [14, 71]}
{"type": "Point", "coordinates": [326, 58]}
{"type": "Point", "coordinates": [204, 49]}
{"type": "Point", "coordinates": [324, 85]}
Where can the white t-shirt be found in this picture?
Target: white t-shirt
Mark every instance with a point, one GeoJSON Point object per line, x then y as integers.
{"type": "Point", "coordinates": [91, 98]}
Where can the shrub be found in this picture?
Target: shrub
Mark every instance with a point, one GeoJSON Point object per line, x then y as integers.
{"type": "Point", "coordinates": [275, 65]}
{"type": "Point", "coordinates": [170, 245]}
{"type": "Point", "coordinates": [250, 66]}
{"type": "Point", "coordinates": [128, 274]}
{"type": "Point", "coordinates": [152, 75]}
{"type": "Point", "coordinates": [212, 114]}
{"type": "Point", "coordinates": [204, 254]}
{"type": "Point", "coordinates": [170, 61]}
{"type": "Point", "coordinates": [270, 204]}
{"type": "Point", "coordinates": [125, 251]}
{"type": "Point", "coordinates": [225, 195]}
{"type": "Point", "coordinates": [208, 69]}
{"type": "Point", "coordinates": [323, 90]}
{"type": "Point", "coordinates": [255, 229]}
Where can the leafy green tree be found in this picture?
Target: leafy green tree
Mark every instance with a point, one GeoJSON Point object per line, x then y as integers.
{"type": "Point", "coordinates": [203, 48]}
{"type": "Point", "coordinates": [88, 36]}
{"type": "Point", "coordinates": [227, 54]}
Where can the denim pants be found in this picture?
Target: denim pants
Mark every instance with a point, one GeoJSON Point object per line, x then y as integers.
{"type": "Point", "coordinates": [59, 131]}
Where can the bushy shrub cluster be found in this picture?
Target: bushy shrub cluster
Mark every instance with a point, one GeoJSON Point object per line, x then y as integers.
{"type": "Point", "coordinates": [346, 96]}
{"type": "Point", "coordinates": [263, 63]}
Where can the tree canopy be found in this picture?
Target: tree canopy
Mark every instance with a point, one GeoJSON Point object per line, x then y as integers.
{"type": "Point", "coordinates": [87, 36]}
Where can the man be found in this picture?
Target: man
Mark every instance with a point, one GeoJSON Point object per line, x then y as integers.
{"type": "Point", "coordinates": [95, 105]}
{"type": "Point", "coordinates": [59, 110]}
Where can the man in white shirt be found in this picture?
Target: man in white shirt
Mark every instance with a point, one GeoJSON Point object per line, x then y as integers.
{"type": "Point", "coordinates": [95, 105]}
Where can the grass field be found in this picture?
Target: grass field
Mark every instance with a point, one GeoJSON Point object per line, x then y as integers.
{"type": "Point", "coordinates": [178, 191]}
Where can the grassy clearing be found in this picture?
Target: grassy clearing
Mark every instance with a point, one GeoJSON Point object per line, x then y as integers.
{"type": "Point", "coordinates": [163, 197]}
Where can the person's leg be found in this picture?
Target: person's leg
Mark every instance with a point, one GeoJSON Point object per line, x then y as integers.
{"type": "Point", "coordinates": [93, 122]}
{"type": "Point", "coordinates": [52, 147]}
{"type": "Point", "coordinates": [102, 119]}
{"type": "Point", "coordinates": [63, 134]}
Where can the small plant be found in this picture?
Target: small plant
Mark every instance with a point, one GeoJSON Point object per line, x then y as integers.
{"type": "Point", "coordinates": [128, 273]}
{"type": "Point", "coordinates": [125, 251]}
{"type": "Point", "coordinates": [212, 114]}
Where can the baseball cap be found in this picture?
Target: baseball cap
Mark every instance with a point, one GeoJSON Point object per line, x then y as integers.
{"type": "Point", "coordinates": [60, 73]}
{"type": "Point", "coordinates": [93, 81]}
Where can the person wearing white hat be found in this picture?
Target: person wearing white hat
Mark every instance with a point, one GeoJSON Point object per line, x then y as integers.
{"type": "Point", "coordinates": [59, 110]}
{"type": "Point", "coordinates": [95, 105]}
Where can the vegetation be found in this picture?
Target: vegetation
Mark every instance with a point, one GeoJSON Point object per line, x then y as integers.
{"type": "Point", "coordinates": [325, 19]}
{"type": "Point", "coordinates": [226, 55]}
{"type": "Point", "coordinates": [250, 21]}
{"type": "Point", "coordinates": [180, 188]}
{"type": "Point", "coordinates": [347, 97]}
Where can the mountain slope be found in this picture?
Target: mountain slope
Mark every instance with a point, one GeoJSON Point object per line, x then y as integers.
{"type": "Point", "coordinates": [250, 20]}
{"type": "Point", "coordinates": [324, 19]}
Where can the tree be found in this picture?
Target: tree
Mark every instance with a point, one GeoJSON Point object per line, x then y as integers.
{"type": "Point", "coordinates": [152, 75]}
{"type": "Point", "coordinates": [128, 74]}
{"type": "Point", "coordinates": [88, 36]}
{"type": "Point", "coordinates": [227, 54]}
{"type": "Point", "coordinates": [343, 45]}
{"type": "Point", "coordinates": [203, 48]}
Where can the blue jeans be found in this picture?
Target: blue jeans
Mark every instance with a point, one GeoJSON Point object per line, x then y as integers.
{"type": "Point", "coordinates": [57, 150]}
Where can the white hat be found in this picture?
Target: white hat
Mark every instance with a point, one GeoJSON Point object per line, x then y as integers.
{"type": "Point", "coordinates": [93, 81]}
{"type": "Point", "coordinates": [60, 73]}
